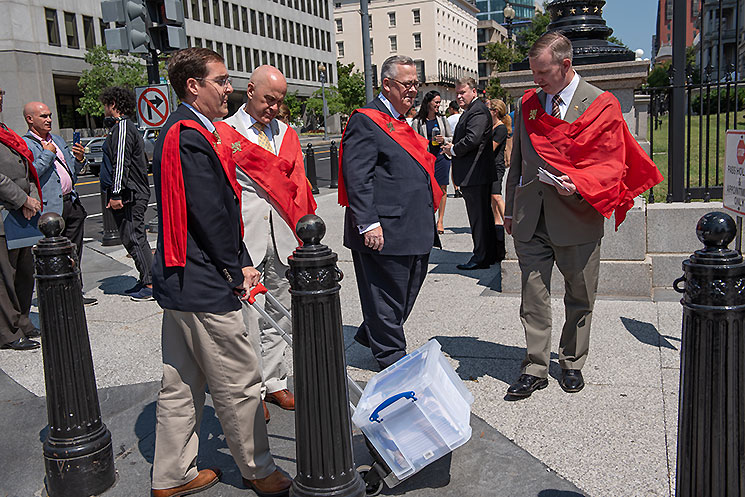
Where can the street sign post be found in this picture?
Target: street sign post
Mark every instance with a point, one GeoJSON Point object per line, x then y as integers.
{"type": "Point", "coordinates": [154, 105]}
{"type": "Point", "coordinates": [734, 178]}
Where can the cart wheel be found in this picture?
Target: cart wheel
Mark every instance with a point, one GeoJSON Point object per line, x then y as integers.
{"type": "Point", "coordinates": [373, 482]}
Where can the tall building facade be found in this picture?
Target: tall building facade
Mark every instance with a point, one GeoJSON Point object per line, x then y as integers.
{"type": "Point", "coordinates": [663, 38]}
{"type": "Point", "coordinates": [43, 44]}
{"type": "Point", "coordinates": [489, 31]}
{"type": "Point", "coordinates": [494, 9]}
{"type": "Point", "coordinates": [440, 35]}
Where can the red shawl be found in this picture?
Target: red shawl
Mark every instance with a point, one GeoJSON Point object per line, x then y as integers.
{"type": "Point", "coordinates": [597, 152]}
{"type": "Point", "coordinates": [281, 177]}
{"type": "Point", "coordinates": [10, 139]}
{"type": "Point", "coordinates": [411, 141]}
{"type": "Point", "coordinates": [173, 195]}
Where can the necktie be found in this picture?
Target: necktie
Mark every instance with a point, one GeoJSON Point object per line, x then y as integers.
{"type": "Point", "coordinates": [555, 110]}
{"type": "Point", "coordinates": [217, 136]}
{"type": "Point", "coordinates": [263, 139]}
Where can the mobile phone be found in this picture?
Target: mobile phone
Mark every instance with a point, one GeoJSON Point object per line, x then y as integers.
{"type": "Point", "coordinates": [75, 137]}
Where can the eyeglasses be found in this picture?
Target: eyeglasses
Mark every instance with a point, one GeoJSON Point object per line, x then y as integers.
{"type": "Point", "coordinates": [223, 82]}
{"type": "Point", "coordinates": [407, 86]}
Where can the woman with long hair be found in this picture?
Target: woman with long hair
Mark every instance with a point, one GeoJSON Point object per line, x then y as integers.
{"type": "Point", "coordinates": [435, 128]}
{"type": "Point", "coordinates": [501, 131]}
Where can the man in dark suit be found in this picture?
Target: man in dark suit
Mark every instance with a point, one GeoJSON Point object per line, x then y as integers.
{"type": "Point", "coordinates": [201, 265]}
{"type": "Point", "coordinates": [473, 170]}
{"type": "Point", "coordinates": [386, 181]}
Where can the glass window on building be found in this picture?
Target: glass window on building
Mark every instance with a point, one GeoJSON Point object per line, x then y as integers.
{"type": "Point", "coordinates": [262, 24]}
{"type": "Point", "coordinates": [340, 49]}
{"type": "Point", "coordinates": [226, 14]}
{"type": "Point", "coordinates": [231, 60]}
{"type": "Point", "coordinates": [216, 12]}
{"type": "Point", "coordinates": [264, 57]}
{"type": "Point", "coordinates": [269, 26]}
{"type": "Point", "coordinates": [188, 41]}
{"type": "Point", "coordinates": [244, 17]}
{"type": "Point", "coordinates": [339, 25]}
{"type": "Point", "coordinates": [420, 70]}
{"type": "Point", "coordinates": [272, 59]}
{"type": "Point", "coordinates": [372, 47]}
{"type": "Point", "coordinates": [293, 68]}
{"type": "Point", "coordinates": [89, 32]}
{"type": "Point", "coordinates": [186, 11]}
{"type": "Point", "coordinates": [417, 41]}
{"type": "Point", "coordinates": [318, 37]}
{"type": "Point", "coordinates": [392, 19]}
{"type": "Point", "coordinates": [103, 26]}
{"type": "Point", "coordinates": [337, 5]}
{"type": "Point", "coordinates": [306, 62]}
{"type": "Point", "coordinates": [284, 30]}
{"type": "Point", "coordinates": [249, 68]}
{"type": "Point", "coordinates": [208, 44]}
{"type": "Point", "coordinates": [375, 75]}
{"type": "Point", "coordinates": [394, 43]}
{"type": "Point", "coordinates": [315, 7]}
{"type": "Point", "coordinates": [195, 9]}
{"type": "Point", "coordinates": [305, 36]}
{"type": "Point", "coordinates": [417, 16]}
{"type": "Point", "coordinates": [369, 21]}
{"type": "Point", "coordinates": [206, 11]}
{"type": "Point", "coordinates": [71, 30]}
{"type": "Point", "coordinates": [257, 58]}
{"type": "Point", "coordinates": [197, 42]}
{"type": "Point", "coordinates": [219, 49]}
{"type": "Point", "coordinates": [277, 28]}
{"type": "Point", "coordinates": [299, 34]}
{"type": "Point", "coordinates": [288, 67]}
{"type": "Point", "coordinates": [292, 32]}
{"type": "Point", "coordinates": [254, 24]}
{"type": "Point", "coordinates": [236, 19]}
{"type": "Point", "coordinates": [239, 58]}
{"type": "Point", "coordinates": [279, 63]}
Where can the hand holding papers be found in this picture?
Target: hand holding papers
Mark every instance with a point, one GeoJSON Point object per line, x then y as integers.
{"type": "Point", "coordinates": [558, 182]}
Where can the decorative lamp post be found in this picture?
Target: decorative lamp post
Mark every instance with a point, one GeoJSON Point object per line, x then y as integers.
{"type": "Point", "coordinates": [322, 77]}
{"type": "Point", "coordinates": [509, 16]}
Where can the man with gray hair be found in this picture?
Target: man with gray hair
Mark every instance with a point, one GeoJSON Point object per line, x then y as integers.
{"type": "Point", "coordinates": [387, 183]}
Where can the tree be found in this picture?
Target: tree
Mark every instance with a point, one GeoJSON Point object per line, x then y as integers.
{"type": "Point", "coordinates": [295, 105]}
{"type": "Point", "coordinates": [660, 75]}
{"type": "Point", "coordinates": [502, 54]}
{"type": "Point", "coordinates": [617, 41]}
{"type": "Point", "coordinates": [494, 90]}
{"type": "Point", "coordinates": [348, 95]}
{"type": "Point", "coordinates": [107, 69]}
{"type": "Point", "coordinates": [527, 37]}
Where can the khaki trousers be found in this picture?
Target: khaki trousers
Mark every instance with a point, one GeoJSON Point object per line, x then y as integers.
{"type": "Point", "coordinates": [269, 345]}
{"type": "Point", "coordinates": [199, 349]}
{"type": "Point", "coordinates": [580, 265]}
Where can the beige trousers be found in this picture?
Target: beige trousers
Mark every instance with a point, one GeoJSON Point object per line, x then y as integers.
{"type": "Point", "coordinates": [580, 265]}
{"type": "Point", "coordinates": [199, 349]}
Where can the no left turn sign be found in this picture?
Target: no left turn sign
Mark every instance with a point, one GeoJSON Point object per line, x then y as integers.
{"type": "Point", "coordinates": [153, 105]}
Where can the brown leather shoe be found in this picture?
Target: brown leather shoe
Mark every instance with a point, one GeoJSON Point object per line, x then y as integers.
{"type": "Point", "coordinates": [204, 480]}
{"type": "Point", "coordinates": [276, 484]}
{"type": "Point", "coordinates": [267, 417]}
{"type": "Point", "coordinates": [283, 398]}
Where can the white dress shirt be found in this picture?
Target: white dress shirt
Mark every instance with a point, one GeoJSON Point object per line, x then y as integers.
{"type": "Point", "coordinates": [206, 122]}
{"type": "Point", "coordinates": [566, 96]}
{"type": "Point", "coordinates": [271, 130]}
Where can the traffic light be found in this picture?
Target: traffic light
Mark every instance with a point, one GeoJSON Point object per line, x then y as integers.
{"type": "Point", "coordinates": [131, 18]}
{"type": "Point", "coordinates": [167, 33]}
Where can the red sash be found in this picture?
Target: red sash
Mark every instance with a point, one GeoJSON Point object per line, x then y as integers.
{"type": "Point", "coordinates": [597, 152]}
{"type": "Point", "coordinates": [282, 177]}
{"type": "Point", "coordinates": [411, 141]}
{"type": "Point", "coordinates": [10, 139]}
{"type": "Point", "coordinates": [173, 195]}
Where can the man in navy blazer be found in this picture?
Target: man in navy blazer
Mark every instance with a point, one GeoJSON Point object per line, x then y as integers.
{"type": "Point", "coordinates": [389, 224]}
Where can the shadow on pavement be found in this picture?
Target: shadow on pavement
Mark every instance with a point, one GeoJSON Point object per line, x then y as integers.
{"type": "Point", "coordinates": [116, 285]}
{"type": "Point", "coordinates": [558, 493]}
{"type": "Point", "coordinates": [647, 333]}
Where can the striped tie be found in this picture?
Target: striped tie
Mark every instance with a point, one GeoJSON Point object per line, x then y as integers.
{"type": "Point", "coordinates": [263, 139]}
{"type": "Point", "coordinates": [555, 110]}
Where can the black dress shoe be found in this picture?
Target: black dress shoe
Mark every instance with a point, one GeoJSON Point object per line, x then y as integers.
{"type": "Point", "coordinates": [35, 333]}
{"type": "Point", "coordinates": [471, 265]}
{"type": "Point", "coordinates": [22, 343]}
{"type": "Point", "coordinates": [572, 381]}
{"type": "Point", "coordinates": [526, 385]}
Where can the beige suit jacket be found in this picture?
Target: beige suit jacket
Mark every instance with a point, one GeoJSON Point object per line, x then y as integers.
{"type": "Point", "coordinates": [570, 220]}
{"type": "Point", "coordinates": [257, 207]}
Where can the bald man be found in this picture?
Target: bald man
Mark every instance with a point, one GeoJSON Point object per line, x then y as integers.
{"type": "Point", "coordinates": [58, 167]}
{"type": "Point", "coordinates": [267, 153]}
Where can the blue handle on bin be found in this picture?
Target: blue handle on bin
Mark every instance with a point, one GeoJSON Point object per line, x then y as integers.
{"type": "Point", "coordinates": [375, 418]}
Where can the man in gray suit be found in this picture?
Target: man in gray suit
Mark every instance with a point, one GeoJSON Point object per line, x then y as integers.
{"type": "Point", "coordinates": [552, 223]}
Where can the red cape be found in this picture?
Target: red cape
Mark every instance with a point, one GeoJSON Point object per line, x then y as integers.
{"type": "Point", "coordinates": [597, 152]}
{"type": "Point", "coordinates": [10, 139]}
{"type": "Point", "coordinates": [282, 177]}
{"type": "Point", "coordinates": [173, 195]}
{"type": "Point", "coordinates": [411, 141]}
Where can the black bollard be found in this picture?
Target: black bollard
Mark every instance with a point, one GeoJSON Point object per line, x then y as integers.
{"type": "Point", "coordinates": [110, 231]}
{"type": "Point", "coordinates": [310, 168]}
{"type": "Point", "coordinates": [78, 458]}
{"type": "Point", "coordinates": [334, 164]}
{"type": "Point", "coordinates": [711, 412]}
{"type": "Point", "coordinates": [323, 427]}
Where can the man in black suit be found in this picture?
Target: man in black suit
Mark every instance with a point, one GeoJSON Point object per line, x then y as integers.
{"type": "Point", "coordinates": [473, 170]}
{"type": "Point", "coordinates": [201, 265]}
{"type": "Point", "coordinates": [386, 182]}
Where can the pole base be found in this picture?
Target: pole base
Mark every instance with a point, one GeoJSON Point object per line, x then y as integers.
{"type": "Point", "coordinates": [354, 488]}
{"type": "Point", "coordinates": [84, 476]}
{"type": "Point", "coordinates": [109, 240]}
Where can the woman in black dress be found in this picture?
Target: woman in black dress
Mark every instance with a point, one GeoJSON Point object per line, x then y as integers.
{"type": "Point", "coordinates": [435, 128]}
{"type": "Point", "coordinates": [501, 131]}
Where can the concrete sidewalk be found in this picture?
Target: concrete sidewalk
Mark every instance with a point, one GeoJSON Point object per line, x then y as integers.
{"type": "Point", "coordinates": [615, 438]}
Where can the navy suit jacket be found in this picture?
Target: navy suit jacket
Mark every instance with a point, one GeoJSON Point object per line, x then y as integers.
{"type": "Point", "coordinates": [215, 253]}
{"type": "Point", "coordinates": [473, 162]}
{"type": "Point", "coordinates": [385, 184]}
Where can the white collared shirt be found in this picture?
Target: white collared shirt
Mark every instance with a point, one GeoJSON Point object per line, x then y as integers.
{"type": "Point", "coordinates": [206, 122]}
{"type": "Point", "coordinates": [389, 106]}
{"type": "Point", "coordinates": [272, 130]}
{"type": "Point", "coordinates": [567, 94]}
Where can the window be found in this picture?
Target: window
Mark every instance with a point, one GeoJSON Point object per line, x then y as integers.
{"type": "Point", "coordinates": [417, 41]}
{"type": "Point", "coordinates": [372, 50]}
{"type": "Point", "coordinates": [195, 9]}
{"type": "Point", "coordinates": [272, 60]}
{"type": "Point", "coordinates": [269, 26]}
{"type": "Point", "coordinates": [279, 63]}
{"type": "Point", "coordinates": [218, 48]}
{"type": "Point", "coordinates": [328, 41]}
{"type": "Point", "coordinates": [208, 44]}
{"type": "Point", "coordinates": [244, 16]}
{"type": "Point", "coordinates": [71, 30]}
{"type": "Point", "coordinates": [236, 19]}
{"type": "Point", "coordinates": [392, 19]}
{"type": "Point", "coordinates": [369, 21]}
{"type": "Point", "coordinates": [375, 75]}
{"type": "Point", "coordinates": [103, 26]}
{"type": "Point", "coordinates": [264, 57]}
{"type": "Point", "coordinates": [318, 38]}
{"type": "Point", "coordinates": [340, 49]}
{"type": "Point", "coordinates": [197, 42]}
{"type": "Point", "coordinates": [337, 5]}
{"type": "Point", "coordinates": [305, 35]}
{"type": "Point", "coordinates": [394, 43]}
{"type": "Point", "coordinates": [257, 58]}
{"type": "Point", "coordinates": [307, 69]}
{"type": "Point", "coordinates": [254, 29]}
{"type": "Point", "coordinates": [186, 16]}
{"type": "Point", "coordinates": [288, 67]}
{"type": "Point", "coordinates": [226, 14]}
{"type": "Point", "coordinates": [216, 12]}
{"type": "Point", "coordinates": [239, 58]}
{"type": "Point", "coordinates": [417, 16]}
{"type": "Point", "coordinates": [284, 29]}
{"type": "Point", "coordinates": [206, 11]}
{"type": "Point", "coordinates": [262, 25]}
{"type": "Point", "coordinates": [229, 51]}
{"type": "Point", "coordinates": [188, 41]}
{"type": "Point", "coordinates": [277, 28]}
{"type": "Point", "coordinates": [339, 25]}
{"type": "Point", "coordinates": [293, 68]}
{"type": "Point", "coordinates": [89, 32]}
{"type": "Point", "coordinates": [292, 32]}
{"type": "Point", "coordinates": [248, 59]}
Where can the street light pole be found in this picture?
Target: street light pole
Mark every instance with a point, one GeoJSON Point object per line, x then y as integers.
{"type": "Point", "coordinates": [366, 59]}
{"type": "Point", "coordinates": [509, 15]}
{"type": "Point", "coordinates": [322, 77]}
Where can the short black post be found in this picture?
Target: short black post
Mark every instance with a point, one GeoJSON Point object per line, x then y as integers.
{"type": "Point", "coordinates": [78, 456]}
{"type": "Point", "coordinates": [310, 168]}
{"type": "Point", "coordinates": [334, 164]}
{"type": "Point", "coordinates": [323, 428]}
{"type": "Point", "coordinates": [110, 231]}
{"type": "Point", "coordinates": [711, 412]}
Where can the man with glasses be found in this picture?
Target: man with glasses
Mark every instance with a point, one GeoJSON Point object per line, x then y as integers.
{"type": "Point", "coordinates": [124, 178]}
{"type": "Point", "coordinates": [387, 184]}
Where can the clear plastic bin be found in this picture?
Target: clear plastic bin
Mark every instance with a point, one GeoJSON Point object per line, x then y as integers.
{"type": "Point", "coordinates": [415, 411]}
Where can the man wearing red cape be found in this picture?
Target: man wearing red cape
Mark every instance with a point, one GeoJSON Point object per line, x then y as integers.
{"type": "Point", "coordinates": [275, 195]}
{"type": "Point", "coordinates": [574, 163]}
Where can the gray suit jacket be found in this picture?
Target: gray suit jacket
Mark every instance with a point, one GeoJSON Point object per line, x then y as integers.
{"type": "Point", "coordinates": [570, 220]}
{"type": "Point", "coordinates": [15, 182]}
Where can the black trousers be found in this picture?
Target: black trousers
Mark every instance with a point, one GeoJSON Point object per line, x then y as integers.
{"type": "Point", "coordinates": [131, 223]}
{"type": "Point", "coordinates": [388, 287]}
{"type": "Point", "coordinates": [74, 215]}
{"type": "Point", "coordinates": [481, 219]}
{"type": "Point", "coordinates": [16, 292]}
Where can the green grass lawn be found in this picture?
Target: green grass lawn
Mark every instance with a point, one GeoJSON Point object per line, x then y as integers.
{"type": "Point", "coordinates": [698, 149]}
